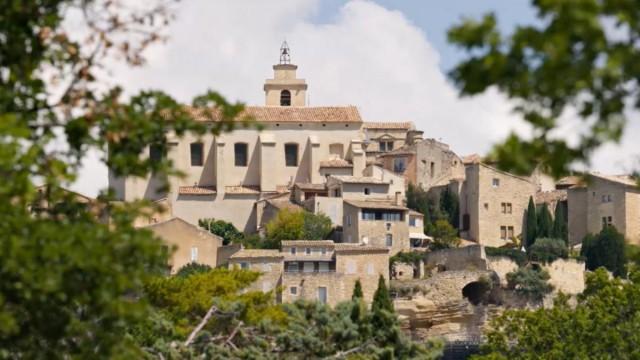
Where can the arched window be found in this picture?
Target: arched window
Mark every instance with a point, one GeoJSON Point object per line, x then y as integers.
{"type": "Point", "coordinates": [285, 98]}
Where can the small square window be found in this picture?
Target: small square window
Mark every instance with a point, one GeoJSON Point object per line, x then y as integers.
{"type": "Point", "coordinates": [495, 183]}
{"type": "Point", "coordinates": [307, 251]}
{"type": "Point", "coordinates": [293, 290]}
{"type": "Point", "coordinates": [367, 191]}
{"type": "Point", "coordinates": [244, 265]}
{"type": "Point", "coordinates": [156, 153]}
{"type": "Point", "coordinates": [323, 251]}
{"type": "Point", "coordinates": [389, 240]}
{"type": "Point", "coordinates": [293, 251]}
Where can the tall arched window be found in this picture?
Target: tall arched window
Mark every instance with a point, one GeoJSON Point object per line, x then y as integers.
{"type": "Point", "coordinates": [285, 98]}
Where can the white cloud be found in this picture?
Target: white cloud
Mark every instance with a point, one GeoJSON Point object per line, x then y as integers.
{"type": "Point", "coordinates": [367, 56]}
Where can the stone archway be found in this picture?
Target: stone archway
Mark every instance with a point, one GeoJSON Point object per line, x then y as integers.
{"type": "Point", "coordinates": [475, 292]}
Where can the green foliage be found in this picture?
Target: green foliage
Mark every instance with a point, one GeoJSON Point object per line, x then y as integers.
{"type": "Point", "coordinates": [192, 268]}
{"type": "Point", "coordinates": [316, 226]}
{"type": "Point", "coordinates": [545, 223]}
{"type": "Point", "coordinates": [566, 60]}
{"type": "Point", "coordinates": [296, 225]}
{"type": "Point", "coordinates": [224, 229]}
{"type": "Point", "coordinates": [450, 205]}
{"type": "Point", "coordinates": [357, 291]}
{"type": "Point", "coordinates": [516, 255]}
{"type": "Point", "coordinates": [417, 200]}
{"type": "Point", "coordinates": [444, 236]}
{"type": "Point", "coordinates": [381, 298]}
{"type": "Point", "coordinates": [530, 282]}
{"type": "Point", "coordinates": [560, 225]}
{"type": "Point", "coordinates": [606, 249]}
{"type": "Point", "coordinates": [70, 284]}
{"type": "Point", "coordinates": [532, 224]}
{"type": "Point", "coordinates": [409, 257]}
{"type": "Point", "coordinates": [548, 250]}
{"type": "Point", "coordinates": [602, 325]}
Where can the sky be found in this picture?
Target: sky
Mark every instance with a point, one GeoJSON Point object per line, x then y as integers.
{"type": "Point", "coordinates": [389, 58]}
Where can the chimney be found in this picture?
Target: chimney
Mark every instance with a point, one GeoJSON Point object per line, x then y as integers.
{"type": "Point", "coordinates": [398, 199]}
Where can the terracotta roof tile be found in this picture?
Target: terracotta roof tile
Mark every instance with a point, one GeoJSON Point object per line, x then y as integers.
{"type": "Point", "coordinates": [283, 114]}
{"type": "Point", "coordinates": [310, 243]}
{"type": "Point", "coordinates": [359, 179]}
{"type": "Point", "coordinates": [550, 196]}
{"type": "Point", "coordinates": [385, 205]}
{"type": "Point", "coordinates": [197, 190]}
{"type": "Point", "coordinates": [239, 189]}
{"type": "Point", "coordinates": [256, 253]}
{"type": "Point", "coordinates": [471, 159]}
{"type": "Point", "coordinates": [389, 125]}
{"type": "Point", "coordinates": [335, 163]}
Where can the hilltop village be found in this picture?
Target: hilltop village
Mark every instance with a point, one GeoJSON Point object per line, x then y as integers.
{"type": "Point", "coordinates": [372, 180]}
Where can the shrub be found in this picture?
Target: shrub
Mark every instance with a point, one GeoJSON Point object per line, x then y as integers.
{"type": "Point", "coordinates": [607, 249]}
{"type": "Point", "coordinates": [192, 268]}
{"type": "Point", "coordinates": [514, 254]}
{"type": "Point", "coordinates": [548, 249]}
{"type": "Point", "coordinates": [226, 230]}
{"type": "Point", "coordinates": [444, 235]}
{"type": "Point", "coordinates": [530, 282]}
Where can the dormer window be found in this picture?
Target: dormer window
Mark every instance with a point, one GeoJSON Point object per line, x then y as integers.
{"type": "Point", "coordinates": [285, 98]}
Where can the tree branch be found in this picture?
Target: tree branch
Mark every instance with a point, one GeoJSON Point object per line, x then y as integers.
{"type": "Point", "coordinates": [202, 323]}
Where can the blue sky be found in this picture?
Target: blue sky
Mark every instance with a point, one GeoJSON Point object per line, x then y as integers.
{"type": "Point", "coordinates": [435, 17]}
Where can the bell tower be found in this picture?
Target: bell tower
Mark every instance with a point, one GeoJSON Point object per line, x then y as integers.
{"type": "Point", "coordinates": [285, 89]}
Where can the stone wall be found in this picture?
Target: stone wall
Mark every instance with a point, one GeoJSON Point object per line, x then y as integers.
{"type": "Point", "coordinates": [464, 258]}
{"type": "Point", "coordinates": [501, 266]}
{"type": "Point", "coordinates": [567, 275]}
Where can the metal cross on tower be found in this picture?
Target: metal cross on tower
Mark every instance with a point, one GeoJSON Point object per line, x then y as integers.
{"type": "Point", "coordinates": [284, 53]}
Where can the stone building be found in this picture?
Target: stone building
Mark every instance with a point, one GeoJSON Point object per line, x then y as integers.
{"type": "Point", "coordinates": [266, 261]}
{"type": "Point", "coordinates": [426, 163]}
{"type": "Point", "coordinates": [378, 223]}
{"type": "Point", "coordinates": [316, 269]}
{"type": "Point", "coordinates": [601, 201]}
{"type": "Point", "coordinates": [191, 244]}
{"type": "Point", "coordinates": [227, 174]}
{"type": "Point", "coordinates": [493, 204]}
{"type": "Point", "coordinates": [383, 137]}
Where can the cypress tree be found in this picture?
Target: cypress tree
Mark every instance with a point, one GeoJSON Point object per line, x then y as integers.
{"type": "Point", "coordinates": [357, 291]}
{"type": "Point", "coordinates": [560, 230]}
{"type": "Point", "coordinates": [381, 298]}
{"type": "Point", "coordinates": [545, 223]}
{"type": "Point", "coordinates": [450, 205]}
{"type": "Point", "coordinates": [532, 224]}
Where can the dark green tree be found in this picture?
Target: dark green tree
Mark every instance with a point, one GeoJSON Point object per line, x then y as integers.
{"type": "Point", "coordinates": [226, 230]}
{"type": "Point", "coordinates": [532, 224]}
{"type": "Point", "coordinates": [548, 250]}
{"type": "Point", "coordinates": [603, 324]}
{"type": "Point", "coordinates": [545, 223]}
{"type": "Point", "coordinates": [560, 226]}
{"type": "Point", "coordinates": [606, 249]}
{"type": "Point", "coordinates": [192, 268]}
{"type": "Point", "coordinates": [357, 291]}
{"type": "Point", "coordinates": [530, 282]}
{"type": "Point", "coordinates": [316, 226]}
{"type": "Point", "coordinates": [450, 205]}
{"type": "Point", "coordinates": [546, 69]}
{"type": "Point", "coordinates": [382, 298]}
{"type": "Point", "coordinates": [69, 280]}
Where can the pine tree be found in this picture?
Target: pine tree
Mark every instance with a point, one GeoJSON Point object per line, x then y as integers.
{"type": "Point", "coordinates": [381, 298]}
{"type": "Point", "coordinates": [560, 230]}
{"type": "Point", "coordinates": [532, 224]}
{"type": "Point", "coordinates": [545, 223]}
{"type": "Point", "coordinates": [357, 291]}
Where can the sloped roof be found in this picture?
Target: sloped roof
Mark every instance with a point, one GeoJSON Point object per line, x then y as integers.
{"type": "Point", "coordinates": [359, 180]}
{"type": "Point", "coordinates": [335, 163]}
{"type": "Point", "coordinates": [256, 253]}
{"type": "Point", "coordinates": [372, 204]}
{"type": "Point", "coordinates": [347, 247]}
{"type": "Point", "coordinates": [309, 243]}
{"type": "Point", "coordinates": [309, 186]}
{"type": "Point", "coordinates": [280, 204]}
{"type": "Point", "coordinates": [327, 114]}
{"type": "Point", "coordinates": [550, 196]}
{"type": "Point", "coordinates": [389, 125]}
{"type": "Point", "coordinates": [178, 220]}
{"type": "Point", "coordinates": [471, 159]}
{"type": "Point", "coordinates": [197, 190]}
{"type": "Point", "coordinates": [620, 179]}
{"type": "Point", "coordinates": [416, 213]}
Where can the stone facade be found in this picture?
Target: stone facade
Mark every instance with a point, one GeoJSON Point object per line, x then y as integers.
{"type": "Point", "coordinates": [316, 269]}
{"type": "Point", "coordinates": [493, 204]}
{"type": "Point", "coordinates": [191, 244]}
{"type": "Point", "coordinates": [427, 163]}
{"type": "Point", "coordinates": [379, 223]}
{"type": "Point", "coordinates": [604, 200]}
{"type": "Point", "coordinates": [226, 175]}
